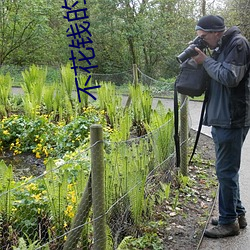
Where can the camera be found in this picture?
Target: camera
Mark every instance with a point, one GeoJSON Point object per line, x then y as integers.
{"type": "Point", "coordinates": [190, 51]}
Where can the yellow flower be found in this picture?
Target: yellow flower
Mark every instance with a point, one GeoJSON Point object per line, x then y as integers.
{"type": "Point", "coordinates": [102, 112]}
{"type": "Point", "coordinates": [69, 211]}
{"type": "Point", "coordinates": [73, 199]}
{"type": "Point", "coordinates": [14, 209]}
{"type": "Point", "coordinates": [31, 187]}
{"type": "Point", "coordinates": [6, 132]}
{"type": "Point", "coordinates": [16, 152]}
{"type": "Point", "coordinates": [37, 196]}
{"type": "Point", "coordinates": [45, 151]}
{"type": "Point", "coordinates": [38, 155]}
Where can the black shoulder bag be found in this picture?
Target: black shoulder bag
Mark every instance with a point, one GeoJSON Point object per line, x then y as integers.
{"type": "Point", "coordinates": [191, 81]}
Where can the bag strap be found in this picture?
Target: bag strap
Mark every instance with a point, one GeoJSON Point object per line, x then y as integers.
{"type": "Point", "coordinates": [176, 126]}
{"type": "Point", "coordinates": [199, 127]}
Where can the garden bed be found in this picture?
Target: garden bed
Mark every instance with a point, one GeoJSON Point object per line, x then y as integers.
{"type": "Point", "coordinates": [179, 220]}
{"type": "Point", "coordinates": [186, 224]}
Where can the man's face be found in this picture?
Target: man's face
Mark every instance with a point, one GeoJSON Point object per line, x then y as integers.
{"type": "Point", "coordinates": [211, 38]}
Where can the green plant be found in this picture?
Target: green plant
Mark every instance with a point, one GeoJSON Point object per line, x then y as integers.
{"type": "Point", "coordinates": [48, 98]}
{"type": "Point", "coordinates": [184, 181]}
{"type": "Point", "coordinates": [126, 172]}
{"type": "Point", "coordinates": [84, 97]}
{"type": "Point", "coordinates": [123, 124]}
{"type": "Point", "coordinates": [161, 128]}
{"type": "Point", "coordinates": [5, 90]}
{"type": "Point", "coordinates": [23, 134]}
{"type": "Point", "coordinates": [45, 138]}
{"type": "Point", "coordinates": [56, 187]}
{"type": "Point", "coordinates": [64, 184]}
{"type": "Point", "coordinates": [176, 199]}
{"type": "Point", "coordinates": [33, 86]}
{"type": "Point", "coordinates": [113, 109]}
{"type": "Point", "coordinates": [164, 191]}
{"type": "Point", "coordinates": [141, 104]}
{"type": "Point", "coordinates": [62, 104]}
{"type": "Point", "coordinates": [147, 241]}
{"type": "Point", "coordinates": [68, 79]}
{"type": "Point", "coordinates": [22, 245]}
{"type": "Point", "coordinates": [6, 196]}
{"type": "Point", "coordinates": [30, 208]}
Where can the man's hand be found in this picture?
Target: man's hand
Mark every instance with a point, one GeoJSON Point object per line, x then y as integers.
{"type": "Point", "coordinates": [200, 58]}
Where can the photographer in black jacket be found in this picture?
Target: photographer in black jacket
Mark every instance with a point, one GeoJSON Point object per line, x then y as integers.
{"type": "Point", "coordinates": [228, 112]}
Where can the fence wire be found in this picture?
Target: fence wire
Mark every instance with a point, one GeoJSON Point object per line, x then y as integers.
{"type": "Point", "coordinates": [43, 210]}
{"type": "Point", "coordinates": [158, 87]}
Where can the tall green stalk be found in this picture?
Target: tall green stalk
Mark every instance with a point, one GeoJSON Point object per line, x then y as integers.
{"type": "Point", "coordinates": [113, 108]}
{"type": "Point", "coordinates": [62, 106]}
{"type": "Point", "coordinates": [5, 90]}
{"type": "Point", "coordinates": [137, 179]}
{"type": "Point", "coordinates": [56, 185]}
{"type": "Point", "coordinates": [68, 79]}
{"type": "Point", "coordinates": [126, 171]}
{"type": "Point", "coordinates": [48, 98]}
{"type": "Point", "coordinates": [84, 97]}
{"type": "Point", "coordinates": [33, 86]}
{"type": "Point", "coordinates": [161, 128]}
{"type": "Point", "coordinates": [141, 104]}
{"type": "Point", "coordinates": [6, 184]}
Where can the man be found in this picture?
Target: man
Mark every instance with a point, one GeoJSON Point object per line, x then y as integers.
{"type": "Point", "coordinates": [228, 112]}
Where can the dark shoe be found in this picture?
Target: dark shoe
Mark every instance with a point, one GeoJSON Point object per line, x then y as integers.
{"type": "Point", "coordinates": [221, 231]}
{"type": "Point", "coordinates": [241, 219]}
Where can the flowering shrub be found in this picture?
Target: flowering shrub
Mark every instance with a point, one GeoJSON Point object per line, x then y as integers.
{"type": "Point", "coordinates": [45, 205]}
{"type": "Point", "coordinates": [46, 138]}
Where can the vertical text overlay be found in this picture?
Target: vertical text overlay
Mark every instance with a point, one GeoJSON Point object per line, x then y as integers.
{"type": "Point", "coordinates": [80, 44]}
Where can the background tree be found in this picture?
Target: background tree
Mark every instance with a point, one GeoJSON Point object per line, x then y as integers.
{"type": "Point", "coordinates": [150, 33]}
{"type": "Point", "coordinates": [31, 32]}
{"type": "Point", "coordinates": [237, 12]}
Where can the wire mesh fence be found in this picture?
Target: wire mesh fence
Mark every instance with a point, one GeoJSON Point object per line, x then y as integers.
{"type": "Point", "coordinates": [55, 210]}
{"type": "Point", "coordinates": [158, 87]}
{"type": "Point", "coordinates": [46, 210]}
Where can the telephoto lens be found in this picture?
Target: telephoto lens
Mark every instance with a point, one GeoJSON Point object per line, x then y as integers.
{"type": "Point", "coordinates": [190, 51]}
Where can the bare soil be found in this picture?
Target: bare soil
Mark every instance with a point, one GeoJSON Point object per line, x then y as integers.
{"type": "Point", "coordinates": [186, 223]}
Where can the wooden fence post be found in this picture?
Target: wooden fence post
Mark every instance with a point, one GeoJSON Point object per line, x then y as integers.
{"type": "Point", "coordinates": [98, 195]}
{"type": "Point", "coordinates": [135, 74]}
{"type": "Point", "coordinates": [184, 135]}
{"type": "Point", "coordinates": [80, 218]}
{"type": "Point", "coordinates": [135, 82]}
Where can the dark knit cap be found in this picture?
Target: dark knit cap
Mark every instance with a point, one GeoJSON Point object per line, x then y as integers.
{"type": "Point", "coordinates": [211, 23]}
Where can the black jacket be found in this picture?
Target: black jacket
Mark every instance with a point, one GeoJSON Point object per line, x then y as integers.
{"type": "Point", "coordinates": [229, 90]}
